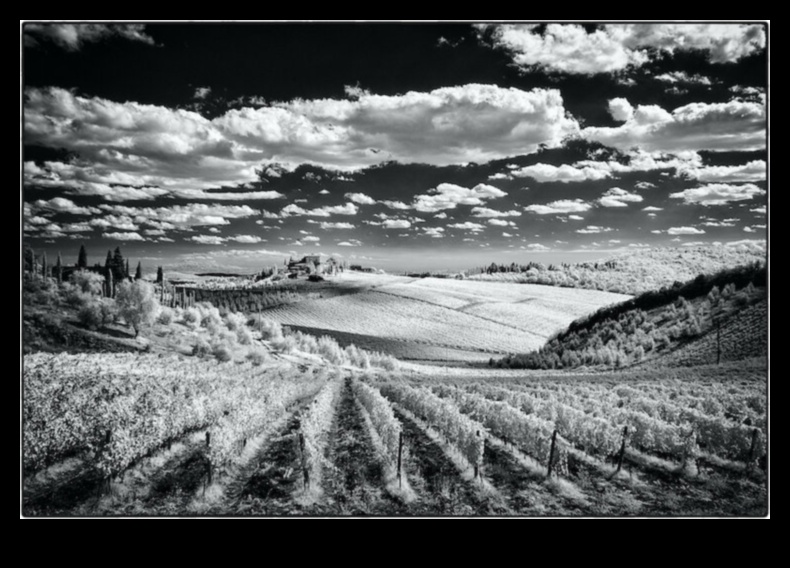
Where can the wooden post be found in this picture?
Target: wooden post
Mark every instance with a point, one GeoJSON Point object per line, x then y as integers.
{"type": "Point", "coordinates": [208, 439]}
{"type": "Point", "coordinates": [305, 472]}
{"type": "Point", "coordinates": [622, 449]}
{"type": "Point", "coordinates": [752, 449]}
{"type": "Point", "coordinates": [718, 342]}
{"type": "Point", "coordinates": [400, 455]}
{"type": "Point", "coordinates": [551, 451]}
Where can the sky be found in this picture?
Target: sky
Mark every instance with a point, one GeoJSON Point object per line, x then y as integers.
{"type": "Point", "coordinates": [405, 146]}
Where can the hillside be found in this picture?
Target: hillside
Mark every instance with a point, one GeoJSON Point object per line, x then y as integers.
{"type": "Point", "coordinates": [628, 273]}
{"type": "Point", "coordinates": [681, 321]}
{"type": "Point", "coordinates": [441, 319]}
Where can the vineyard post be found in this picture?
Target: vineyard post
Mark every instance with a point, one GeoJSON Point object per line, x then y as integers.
{"type": "Point", "coordinates": [551, 451]}
{"type": "Point", "coordinates": [622, 450]}
{"type": "Point", "coordinates": [305, 472]}
{"type": "Point", "coordinates": [752, 449]}
{"type": "Point", "coordinates": [477, 464]}
{"type": "Point", "coordinates": [400, 454]}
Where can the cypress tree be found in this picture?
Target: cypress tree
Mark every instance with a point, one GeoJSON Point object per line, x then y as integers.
{"type": "Point", "coordinates": [82, 259]}
{"type": "Point", "coordinates": [126, 272]}
{"type": "Point", "coordinates": [108, 261]}
{"type": "Point", "coordinates": [44, 264]}
{"type": "Point", "coordinates": [59, 269]}
{"type": "Point", "coordinates": [138, 274]}
{"type": "Point", "coordinates": [160, 275]}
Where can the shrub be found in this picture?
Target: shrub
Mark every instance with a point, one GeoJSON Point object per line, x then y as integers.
{"type": "Point", "coordinates": [90, 315]}
{"type": "Point", "coordinates": [191, 317]}
{"type": "Point", "coordinates": [166, 316]}
{"type": "Point", "coordinates": [270, 330]}
{"type": "Point", "coordinates": [243, 335]}
{"type": "Point", "coordinates": [257, 355]}
{"type": "Point", "coordinates": [109, 311]}
{"type": "Point", "coordinates": [201, 347]}
{"type": "Point", "coordinates": [234, 321]}
{"type": "Point", "coordinates": [209, 315]}
{"type": "Point", "coordinates": [222, 352]}
{"type": "Point", "coordinates": [87, 282]}
{"type": "Point", "coordinates": [284, 344]}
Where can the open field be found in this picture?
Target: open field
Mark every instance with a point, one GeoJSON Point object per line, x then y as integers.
{"type": "Point", "coordinates": [401, 315]}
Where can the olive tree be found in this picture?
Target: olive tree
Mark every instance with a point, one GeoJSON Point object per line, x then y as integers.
{"type": "Point", "coordinates": [137, 304]}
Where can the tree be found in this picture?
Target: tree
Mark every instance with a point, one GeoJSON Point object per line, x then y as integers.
{"type": "Point", "coordinates": [138, 274]}
{"type": "Point", "coordinates": [126, 272]}
{"type": "Point", "coordinates": [108, 260]}
{"type": "Point", "coordinates": [137, 304]}
{"type": "Point", "coordinates": [82, 259]}
{"type": "Point", "coordinates": [44, 267]}
{"type": "Point", "coordinates": [87, 282]}
{"type": "Point", "coordinates": [160, 275]}
{"type": "Point", "coordinates": [59, 269]}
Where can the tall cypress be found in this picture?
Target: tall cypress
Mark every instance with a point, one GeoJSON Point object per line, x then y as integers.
{"type": "Point", "coordinates": [44, 267]}
{"type": "Point", "coordinates": [160, 275]}
{"type": "Point", "coordinates": [82, 259]}
{"type": "Point", "coordinates": [138, 274]}
{"type": "Point", "coordinates": [59, 269]}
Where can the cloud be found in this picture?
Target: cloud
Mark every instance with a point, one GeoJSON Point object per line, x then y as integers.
{"type": "Point", "coordinates": [718, 194]}
{"type": "Point", "coordinates": [118, 222]}
{"type": "Point", "coordinates": [73, 36]}
{"type": "Point", "coordinates": [207, 239]}
{"type": "Point", "coordinates": [564, 173]}
{"type": "Point", "coordinates": [559, 207]}
{"type": "Point", "coordinates": [735, 125]}
{"type": "Point", "coordinates": [202, 93]}
{"type": "Point", "coordinates": [323, 192]}
{"type": "Point", "coordinates": [435, 232]}
{"type": "Point", "coordinates": [448, 196]}
{"type": "Point", "coordinates": [683, 77]}
{"type": "Point", "coordinates": [620, 109]}
{"type": "Point", "coordinates": [575, 218]}
{"type": "Point", "coordinates": [722, 223]}
{"type": "Point", "coordinates": [617, 197]}
{"type": "Point", "coordinates": [685, 231]}
{"type": "Point", "coordinates": [501, 223]}
{"type": "Point", "coordinates": [360, 198]}
{"type": "Point", "coordinates": [644, 185]}
{"type": "Point", "coordinates": [759, 210]}
{"type": "Point", "coordinates": [467, 226]}
{"type": "Point", "coordinates": [396, 205]}
{"type": "Point", "coordinates": [751, 171]}
{"type": "Point", "coordinates": [569, 48]}
{"type": "Point", "coordinates": [441, 215]}
{"type": "Point", "coordinates": [327, 211]}
{"type": "Point", "coordinates": [324, 225]}
{"type": "Point", "coordinates": [63, 205]}
{"type": "Point", "coordinates": [396, 224]}
{"type": "Point", "coordinates": [486, 212]}
{"type": "Point", "coordinates": [652, 208]}
{"type": "Point", "coordinates": [594, 229]}
{"type": "Point", "coordinates": [311, 239]}
{"type": "Point", "coordinates": [350, 243]}
{"type": "Point", "coordinates": [247, 239]}
{"type": "Point", "coordinates": [181, 216]}
{"type": "Point", "coordinates": [124, 236]}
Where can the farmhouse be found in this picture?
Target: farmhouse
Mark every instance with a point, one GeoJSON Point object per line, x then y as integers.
{"type": "Point", "coordinates": [309, 264]}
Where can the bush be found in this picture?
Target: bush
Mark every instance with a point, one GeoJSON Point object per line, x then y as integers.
{"type": "Point", "coordinates": [87, 282]}
{"type": "Point", "coordinates": [285, 344]}
{"type": "Point", "coordinates": [244, 336]}
{"type": "Point", "coordinates": [257, 355]}
{"type": "Point", "coordinates": [201, 348]}
{"type": "Point", "coordinates": [222, 352]}
{"type": "Point", "coordinates": [270, 330]}
{"type": "Point", "coordinates": [234, 321]}
{"type": "Point", "coordinates": [137, 304]}
{"type": "Point", "coordinates": [191, 317]}
{"type": "Point", "coordinates": [315, 278]}
{"type": "Point", "coordinates": [109, 311]}
{"type": "Point", "coordinates": [166, 316]}
{"type": "Point", "coordinates": [90, 315]}
{"type": "Point", "coordinates": [209, 315]}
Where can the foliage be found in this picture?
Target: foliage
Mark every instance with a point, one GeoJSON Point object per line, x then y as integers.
{"type": "Point", "coordinates": [137, 304]}
{"type": "Point", "coordinates": [87, 282]}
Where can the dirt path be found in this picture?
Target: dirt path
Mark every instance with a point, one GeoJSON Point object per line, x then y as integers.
{"type": "Point", "coordinates": [60, 489]}
{"type": "Point", "coordinates": [354, 484]}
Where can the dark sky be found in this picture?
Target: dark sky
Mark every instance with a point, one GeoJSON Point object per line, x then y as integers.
{"type": "Point", "coordinates": [230, 145]}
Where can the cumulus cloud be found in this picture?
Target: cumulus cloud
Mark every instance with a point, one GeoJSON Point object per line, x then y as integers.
{"type": "Point", "coordinates": [119, 222]}
{"type": "Point", "coordinates": [395, 224]}
{"type": "Point", "coordinates": [360, 198]}
{"type": "Point", "coordinates": [311, 239]}
{"type": "Point", "coordinates": [323, 192]}
{"type": "Point", "coordinates": [327, 211]}
{"type": "Point", "coordinates": [683, 77]}
{"type": "Point", "coordinates": [350, 243]}
{"type": "Point", "coordinates": [569, 48]}
{"type": "Point", "coordinates": [616, 197]}
{"type": "Point", "coordinates": [207, 239]}
{"type": "Point", "coordinates": [449, 195]}
{"type": "Point", "coordinates": [325, 225]}
{"type": "Point", "coordinates": [181, 216]}
{"type": "Point", "coordinates": [722, 223]}
{"type": "Point", "coordinates": [202, 93]}
{"type": "Point", "coordinates": [594, 229]}
{"type": "Point", "coordinates": [620, 109]}
{"type": "Point", "coordinates": [63, 205]}
{"type": "Point", "coordinates": [467, 226]}
{"type": "Point", "coordinates": [685, 231]}
{"type": "Point", "coordinates": [124, 236]}
{"type": "Point", "coordinates": [400, 205]}
{"type": "Point", "coordinates": [718, 194]}
{"type": "Point", "coordinates": [735, 125]}
{"type": "Point", "coordinates": [559, 207]}
{"type": "Point", "coordinates": [564, 173]}
{"type": "Point", "coordinates": [441, 215]}
{"type": "Point", "coordinates": [759, 210]}
{"type": "Point", "coordinates": [751, 171]}
{"type": "Point", "coordinates": [644, 185]}
{"type": "Point", "coordinates": [486, 212]}
{"type": "Point", "coordinates": [652, 208]}
{"type": "Point", "coordinates": [501, 223]}
{"type": "Point", "coordinates": [435, 232]}
{"type": "Point", "coordinates": [73, 36]}
{"type": "Point", "coordinates": [247, 239]}
{"type": "Point", "coordinates": [575, 217]}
